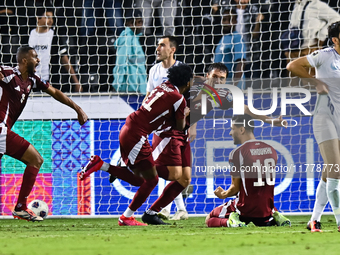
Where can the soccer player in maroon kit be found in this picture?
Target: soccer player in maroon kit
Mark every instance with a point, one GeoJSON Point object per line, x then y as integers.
{"type": "Point", "coordinates": [172, 152]}
{"type": "Point", "coordinates": [15, 86]}
{"type": "Point", "coordinates": [164, 109]}
{"type": "Point", "coordinates": [171, 149]}
{"type": "Point", "coordinates": [254, 188]}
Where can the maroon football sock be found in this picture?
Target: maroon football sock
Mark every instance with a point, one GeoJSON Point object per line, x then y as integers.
{"type": "Point", "coordinates": [28, 181]}
{"type": "Point", "coordinates": [217, 222]}
{"type": "Point", "coordinates": [171, 191]}
{"type": "Point", "coordinates": [143, 192]}
{"type": "Point", "coordinates": [163, 172]}
{"type": "Point", "coordinates": [126, 175]}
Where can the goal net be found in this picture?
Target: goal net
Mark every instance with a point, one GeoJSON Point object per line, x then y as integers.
{"type": "Point", "coordinates": [90, 32]}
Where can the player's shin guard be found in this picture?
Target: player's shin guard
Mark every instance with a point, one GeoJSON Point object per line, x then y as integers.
{"type": "Point", "coordinates": [125, 174]}
{"type": "Point", "coordinates": [143, 192]}
{"type": "Point", "coordinates": [172, 190]}
{"type": "Point", "coordinates": [217, 222]}
{"type": "Point", "coordinates": [321, 200]}
{"type": "Point", "coordinates": [333, 197]}
{"type": "Point", "coordinates": [28, 181]}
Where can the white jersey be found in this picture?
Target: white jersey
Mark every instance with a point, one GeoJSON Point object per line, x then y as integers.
{"type": "Point", "coordinates": [158, 74]}
{"type": "Point", "coordinates": [42, 43]}
{"type": "Point", "coordinates": [327, 69]}
{"type": "Point", "coordinates": [326, 122]}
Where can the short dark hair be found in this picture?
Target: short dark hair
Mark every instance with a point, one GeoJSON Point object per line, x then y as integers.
{"type": "Point", "coordinates": [179, 75]}
{"type": "Point", "coordinates": [173, 41]}
{"type": "Point", "coordinates": [40, 11]}
{"type": "Point", "coordinates": [334, 30]}
{"type": "Point", "coordinates": [219, 66]}
{"type": "Point", "coordinates": [245, 121]}
{"type": "Point", "coordinates": [22, 52]}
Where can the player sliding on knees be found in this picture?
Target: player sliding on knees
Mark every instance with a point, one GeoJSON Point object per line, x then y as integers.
{"type": "Point", "coordinates": [326, 121]}
{"type": "Point", "coordinates": [254, 189]}
{"type": "Point", "coordinates": [164, 109]}
{"type": "Point", "coordinates": [16, 84]}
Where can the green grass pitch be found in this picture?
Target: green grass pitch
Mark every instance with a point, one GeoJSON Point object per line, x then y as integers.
{"type": "Point", "coordinates": [104, 236]}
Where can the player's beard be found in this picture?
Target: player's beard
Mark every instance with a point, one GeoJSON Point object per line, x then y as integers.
{"type": "Point", "coordinates": [236, 140]}
{"type": "Point", "coordinates": [30, 68]}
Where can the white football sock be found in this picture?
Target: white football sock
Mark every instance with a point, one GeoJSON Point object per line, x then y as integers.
{"type": "Point", "coordinates": [128, 212]}
{"type": "Point", "coordinates": [321, 201]}
{"type": "Point", "coordinates": [179, 203]}
{"type": "Point", "coordinates": [333, 197]}
{"type": "Point", "coordinates": [105, 167]}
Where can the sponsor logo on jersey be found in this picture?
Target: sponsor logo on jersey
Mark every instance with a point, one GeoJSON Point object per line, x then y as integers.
{"type": "Point", "coordinates": [40, 47]}
{"type": "Point", "coordinates": [335, 65]}
{"type": "Point", "coordinates": [229, 97]}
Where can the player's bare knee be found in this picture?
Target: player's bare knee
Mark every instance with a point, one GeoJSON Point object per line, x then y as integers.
{"type": "Point", "coordinates": [207, 219]}
{"type": "Point", "coordinates": [38, 161]}
{"type": "Point", "coordinates": [186, 182]}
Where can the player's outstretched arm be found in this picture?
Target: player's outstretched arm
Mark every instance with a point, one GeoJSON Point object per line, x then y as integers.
{"type": "Point", "coordinates": [299, 67]}
{"type": "Point", "coordinates": [62, 98]}
{"type": "Point", "coordinates": [233, 189]}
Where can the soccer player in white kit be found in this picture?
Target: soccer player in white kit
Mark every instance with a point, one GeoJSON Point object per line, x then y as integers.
{"type": "Point", "coordinates": [326, 122]}
{"type": "Point", "coordinates": [165, 51]}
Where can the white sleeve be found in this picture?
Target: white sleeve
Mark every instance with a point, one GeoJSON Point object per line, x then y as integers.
{"type": "Point", "coordinates": [317, 58]}
{"type": "Point", "coordinates": [30, 43]}
{"type": "Point", "coordinates": [150, 86]}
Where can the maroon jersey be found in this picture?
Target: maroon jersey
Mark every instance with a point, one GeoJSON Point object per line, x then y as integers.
{"type": "Point", "coordinates": [254, 162]}
{"type": "Point", "coordinates": [14, 92]}
{"type": "Point", "coordinates": [159, 111]}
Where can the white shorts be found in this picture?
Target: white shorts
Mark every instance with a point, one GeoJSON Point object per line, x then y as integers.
{"type": "Point", "coordinates": [324, 124]}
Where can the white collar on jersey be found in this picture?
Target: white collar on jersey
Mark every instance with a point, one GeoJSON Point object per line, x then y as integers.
{"type": "Point", "coordinates": [16, 69]}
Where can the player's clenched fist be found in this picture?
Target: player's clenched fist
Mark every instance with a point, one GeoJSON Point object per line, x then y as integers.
{"type": "Point", "coordinates": [219, 192]}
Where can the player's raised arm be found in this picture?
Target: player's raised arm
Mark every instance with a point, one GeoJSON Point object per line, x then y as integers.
{"type": "Point", "coordinates": [299, 67]}
{"type": "Point", "coordinates": [62, 98]}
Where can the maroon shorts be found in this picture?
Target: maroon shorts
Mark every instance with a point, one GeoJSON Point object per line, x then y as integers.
{"type": "Point", "coordinates": [135, 149]}
{"type": "Point", "coordinates": [223, 211]}
{"type": "Point", "coordinates": [170, 151]}
{"type": "Point", "coordinates": [12, 144]}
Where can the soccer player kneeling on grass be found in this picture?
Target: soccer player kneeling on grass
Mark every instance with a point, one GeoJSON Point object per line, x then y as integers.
{"type": "Point", "coordinates": [255, 192]}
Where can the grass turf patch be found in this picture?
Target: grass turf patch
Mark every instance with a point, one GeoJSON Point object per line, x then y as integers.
{"type": "Point", "coordinates": [104, 236]}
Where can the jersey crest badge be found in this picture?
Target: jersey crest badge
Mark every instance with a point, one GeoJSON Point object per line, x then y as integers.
{"type": "Point", "coordinates": [229, 97]}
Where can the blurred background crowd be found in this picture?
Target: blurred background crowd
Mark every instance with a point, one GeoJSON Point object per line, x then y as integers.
{"type": "Point", "coordinates": [90, 35]}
